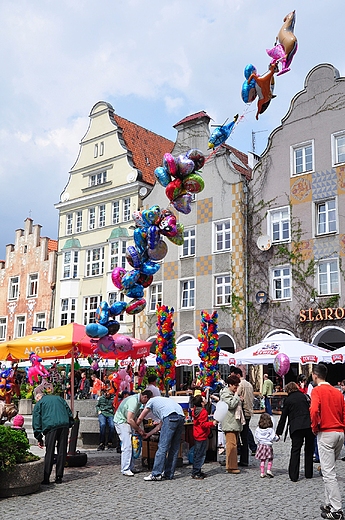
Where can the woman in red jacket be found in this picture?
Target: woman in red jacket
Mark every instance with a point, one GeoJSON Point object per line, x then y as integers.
{"type": "Point", "coordinates": [201, 430]}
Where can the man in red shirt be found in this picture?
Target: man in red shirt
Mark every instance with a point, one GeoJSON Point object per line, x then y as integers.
{"type": "Point", "coordinates": [327, 412]}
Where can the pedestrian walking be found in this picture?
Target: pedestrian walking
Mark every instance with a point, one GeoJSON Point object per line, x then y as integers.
{"type": "Point", "coordinates": [265, 436]}
{"type": "Point", "coordinates": [201, 430]}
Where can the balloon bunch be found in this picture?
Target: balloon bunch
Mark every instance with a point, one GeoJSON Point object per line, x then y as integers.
{"type": "Point", "coordinates": [166, 347]}
{"type": "Point", "coordinates": [209, 348]}
{"type": "Point", "coordinates": [180, 177]}
{"type": "Point", "coordinates": [282, 53]}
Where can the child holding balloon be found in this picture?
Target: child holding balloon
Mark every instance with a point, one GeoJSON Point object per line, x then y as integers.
{"type": "Point", "coordinates": [265, 436]}
{"type": "Point", "coordinates": [201, 430]}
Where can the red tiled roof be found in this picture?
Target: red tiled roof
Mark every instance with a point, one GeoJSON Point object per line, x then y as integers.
{"type": "Point", "coordinates": [197, 115]}
{"type": "Point", "coordinates": [52, 245]}
{"type": "Point", "coordinates": [244, 159]}
{"type": "Point", "coordinates": [147, 148]}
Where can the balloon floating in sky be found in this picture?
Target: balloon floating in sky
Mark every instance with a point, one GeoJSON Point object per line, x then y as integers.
{"type": "Point", "coordinates": [221, 133]}
{"type": "Point", "coordinates": [285, 50]}
{"type": "Point", "coordinates": [264, 87]}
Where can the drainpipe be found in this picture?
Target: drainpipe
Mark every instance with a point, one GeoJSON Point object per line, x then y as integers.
{"type": "Point", "coordinates": [246, 290]}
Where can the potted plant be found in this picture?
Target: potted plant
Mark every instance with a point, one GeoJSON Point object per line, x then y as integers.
{"type": "Point", "coordinates": [25, 402]}
{"type": "Point", "coordinates": [21, 472]}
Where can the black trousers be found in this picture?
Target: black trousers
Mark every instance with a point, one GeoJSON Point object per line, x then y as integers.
{"type": "Point", "coordinates": [59, 437]}
{"type": "Point", "coordinates": [247, 439]}
{"type": "Point", "coordinates": [297, 438]}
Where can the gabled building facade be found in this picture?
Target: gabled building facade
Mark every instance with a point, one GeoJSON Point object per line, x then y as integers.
{"type": "Point", "coordinates": [112, 173]}
{"type": "Point", "coordinates": [297, 223]}
{"type": "Point", "coordinates": [27, 283]}
{"type": "Point", "coordinates": [208, 271]}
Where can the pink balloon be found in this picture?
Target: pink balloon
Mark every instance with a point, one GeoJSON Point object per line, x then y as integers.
{"type": "Point", "coordinates": [116, 276]}
{"type": "Point", "coordinates": [281, 364]}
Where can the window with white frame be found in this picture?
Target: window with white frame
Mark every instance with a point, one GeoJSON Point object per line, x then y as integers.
{"type": "Point", "coordinates": [79, 222]}
{"type": "Point", "coordinates": [187, 294]}
{"type": "Point", "coordinates": [223, 289]}
{"type": "Point", "coordinates": [70, 264]}
{"type": "Point", "coordinates": [115, 297]}
{"type": "Point", "coordinates": [188, 248]}
{"type": "Point", "coordinates": [3, 328]}
{"type": "Point", "coordinates": [92, 218]}
{"type": "Point", "coordinates": [281, 283]}
{"type": "Point", "coordinates": [32, 285]}
{"type": "Point", "coordinates": [67, 310]}
{"type": "Point", "coordinates": [328, 277]}
{"type": "Point", "coordinates": [40, 320]}
{"type": "Point", "coordinates": [19, 327]}
{"type": "Point", "coordinates": [101, 215]}
{"type": "Point", "coordinates": [69, 223]}
{"type": "Point", "coordinates": [101, 148]}
{"type": "Point", "coordinates": [326, 216]}
{"type": "Point", "coordinates": [338, 148]}
{"type": "Point", "coordinates": [13, 288]}
{"type": "Point", "coordinates": [156, 296]}
{"type": "Point", "coordinates": [116, 212]}
{"type": "Point", "coordinates": [222, 235]}
{"type": "Point", "coordinates": [279, 224]}
{"type": "Point", "coordinates": [95, 261]}
{"type": "Point", "coordinates": [118, 254]}
{"type": "Point", "coordinates": [90, 306]}
{"type": "Point", "coordinates": [302, 158]}
{"type": "Point", "coordinates": [126, 209]}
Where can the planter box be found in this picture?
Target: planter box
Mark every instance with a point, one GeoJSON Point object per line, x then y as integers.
{"type": "Point", "coordinates": [25, 406]}
{"type": "Point", "coordinates": [22, 480]}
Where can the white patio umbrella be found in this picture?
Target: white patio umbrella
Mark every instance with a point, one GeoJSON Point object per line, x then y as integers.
{"type": "Point", "coordinates": [338, 356]}
{"type": "Point", "coordinates": [187, 354]}
{"type": "Point", "coordinates": [298, 351]}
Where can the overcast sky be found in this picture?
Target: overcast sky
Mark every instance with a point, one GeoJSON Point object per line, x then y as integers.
{"type": "Point", "coordinates": [155, 61]}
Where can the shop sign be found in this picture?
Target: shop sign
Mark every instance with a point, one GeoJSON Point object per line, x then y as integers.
{"type": "Point", "coordinates": [321, 314]}
{"type": "Point", "coordinates": [187, 362]}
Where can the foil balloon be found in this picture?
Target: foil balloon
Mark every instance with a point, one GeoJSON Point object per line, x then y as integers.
{"type": "Point", "coordinates": [145, 280]}
{"type": "Point", "coordinates": [183, 203]}
{"type": "Point", "coordinates": [193, 183]}
{"type": "Point", "coordinates": [136, 291]}
{"type": "Point", "coordinates": [185, 165]}
{"type": "Point", "coordinates": [169, 164]}
{"type": "Point", "coordinates": [281, 364]}
{"type": "Point", "coordinates": [264, 87]}
{"type": "Point", "coordinates": [167, 225]}
{"type": "Point", "coordinates": [133, 257]}
{"type": "Point", "coordinates": [174, 189]}
{"type": "Point", "coordinates": [116, 276]}
{"type": "Point", "coordinates": [248, 89]}
{"type": "Point", "coordinates": [221, 133]}
{"type": "Point", "coordinates": [163, 176]}
{"type": "Point", "coordinates": [288, 41]}
{"type": "Point", "coordinates": [117, 308]}
{"type": "Point", "coordinates": [197, 157]}
{"type": "Point", "coordinates": [140, 239]}
{"type": "Point", "coordinates": [136, 306]}
{"type": "Point", "coordinates": [151, 216]}
{"type": "Point", "coordinates": [159, 252]}
{"type": "Point", "coordinates": [153, 237]}
{"type": "Point", "coordinates": [130, 278]}
{"type": "Point", "coordinates": [95, 330]}
{"type": "Point", "coordinates": [178, 239]}
{"type": "Point", "coordinates": [138, 219]}
{"type": "Point", "coordinates": [102, 313]}
{"type": "Point", "coordinates": [113, 326]}
{"type": "Point", "coordinates": [150, 267]}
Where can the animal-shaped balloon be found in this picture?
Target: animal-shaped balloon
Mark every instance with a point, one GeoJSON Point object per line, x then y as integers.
{"type": "Point", "coordinates": [221, 133]}
{"type": "Point", "coordinates": [287, 47]}
{"type": "Point", "coordinates": [248, 89]}
{"type": "Point", "coordinates": [37, 369]}
{"type": "Point", "coordinates": [124, 380]}
{"type": "Point", "coordinates": [263, 87]}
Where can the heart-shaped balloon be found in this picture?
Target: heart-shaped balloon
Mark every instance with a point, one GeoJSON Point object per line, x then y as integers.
{"type": "Point", "coordinates": [197, 157]}
{"type": "Point", "coordinates": [150, 267]}
{"type": "Point", "coordinates": [117, 308]}
{"type": "Point", "coordinates": [151, 216]}
{"type": "Point", "coordinates": [193, 183]}
{"type": "Point", "coordinates": [174, 189]}
{"type": "Point", "coordinates": [133, 257]}
{"type": "Point", "coordinates": [159, 252]}
{"type": "Point", "coordinates": [167, 225]}
{"type": "Point", "coordinates": [169, 163]}
{"type": "Point", "coordinates": [129, 279]}
{"type": "Point", "coordinates": [138, 218]}
{"type": "Point", "coordinates": [140, 239]}
{"type": "Point", "coordinates": [178, 239]}
{"type": "Point", "coordinates": [117, 275]}
{"type": "Point", "coordinates": [183, 203]}
{"type": "Point", "coordinates": [185, 165]}
{"type": "Point", "coordinates": [153, 237]}
{"type": "Point", "coordinates": [163, 176]}
{"type": "Point", "coordinates": [136, 306]}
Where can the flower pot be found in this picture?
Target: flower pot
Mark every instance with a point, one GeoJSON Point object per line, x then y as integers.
{"type": "Point", "coordinates": [23, 479]}
{"type": "Point", "coordinates": [25, 406]}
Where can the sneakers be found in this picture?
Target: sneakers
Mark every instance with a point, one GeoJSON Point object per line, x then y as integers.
{"type": "Point", "coordinates": [333, 515]}
{"type": "Point", "coordinates": [198, 477]}
{"type": "Point", "coordinates": [128, 473]}
{"type": "Point", "coordinates": [100, 447]}
{"type": "Point", "coordinates": [153, 477]}
{"type": "Point", "coordinates": [109, 446]}
{"type": "Point", "coordinates": [269, 473]}
{"type": "Point", "coordinates": [325, 508]}
{"type": "Point", "coordinates": [262, 475]}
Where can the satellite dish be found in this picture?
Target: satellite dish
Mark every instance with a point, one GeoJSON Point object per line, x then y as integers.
{"type": "Point", "coordinates": [64, 196]}
{"type": "Point", "coordinates": [143, 191]}
{"type": "Point", "coordinates": [132, 177]}
{"type": "Point", "coordinates": [264, 242]}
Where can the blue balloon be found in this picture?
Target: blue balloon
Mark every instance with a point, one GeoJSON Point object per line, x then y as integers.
{"type": "Point", "coordinates": [117, 308]}
{"type": "Point", "coordinates": [139, 236]}
{"type": "Point", "coordinates": [163, 176]}
{"type": "Point", "coordinates": [221, 134]}
{"type": "Point", "coordinates": [153, 237]}
{"type": "Point", "coordinates": [130, 278]}
{"type": "Point", "coordinates": [248, 92]}
{"type": "Point", "coordinates": [137, 291]}
{"type": "Point", "coordinates": [150, 267]}
{"type": "Point", "coordinates": [95, 330]}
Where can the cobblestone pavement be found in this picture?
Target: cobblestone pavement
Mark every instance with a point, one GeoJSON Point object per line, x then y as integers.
{"type": "Point", "coordinates": [98, 490]}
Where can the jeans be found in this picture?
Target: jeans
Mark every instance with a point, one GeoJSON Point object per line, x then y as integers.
{"type": "Point", "coordinates": [169, 444]}
{"type": "Point", "coordinates": [103, 422]}
{"type": "Point", "coordinates": [330, 444]}
{"type": "Point", "coordinates": [199, 456]}
{"type": "Point", "coordinates": [124, 431]}
{"type": "Point", "coordinates": [268, 407]}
